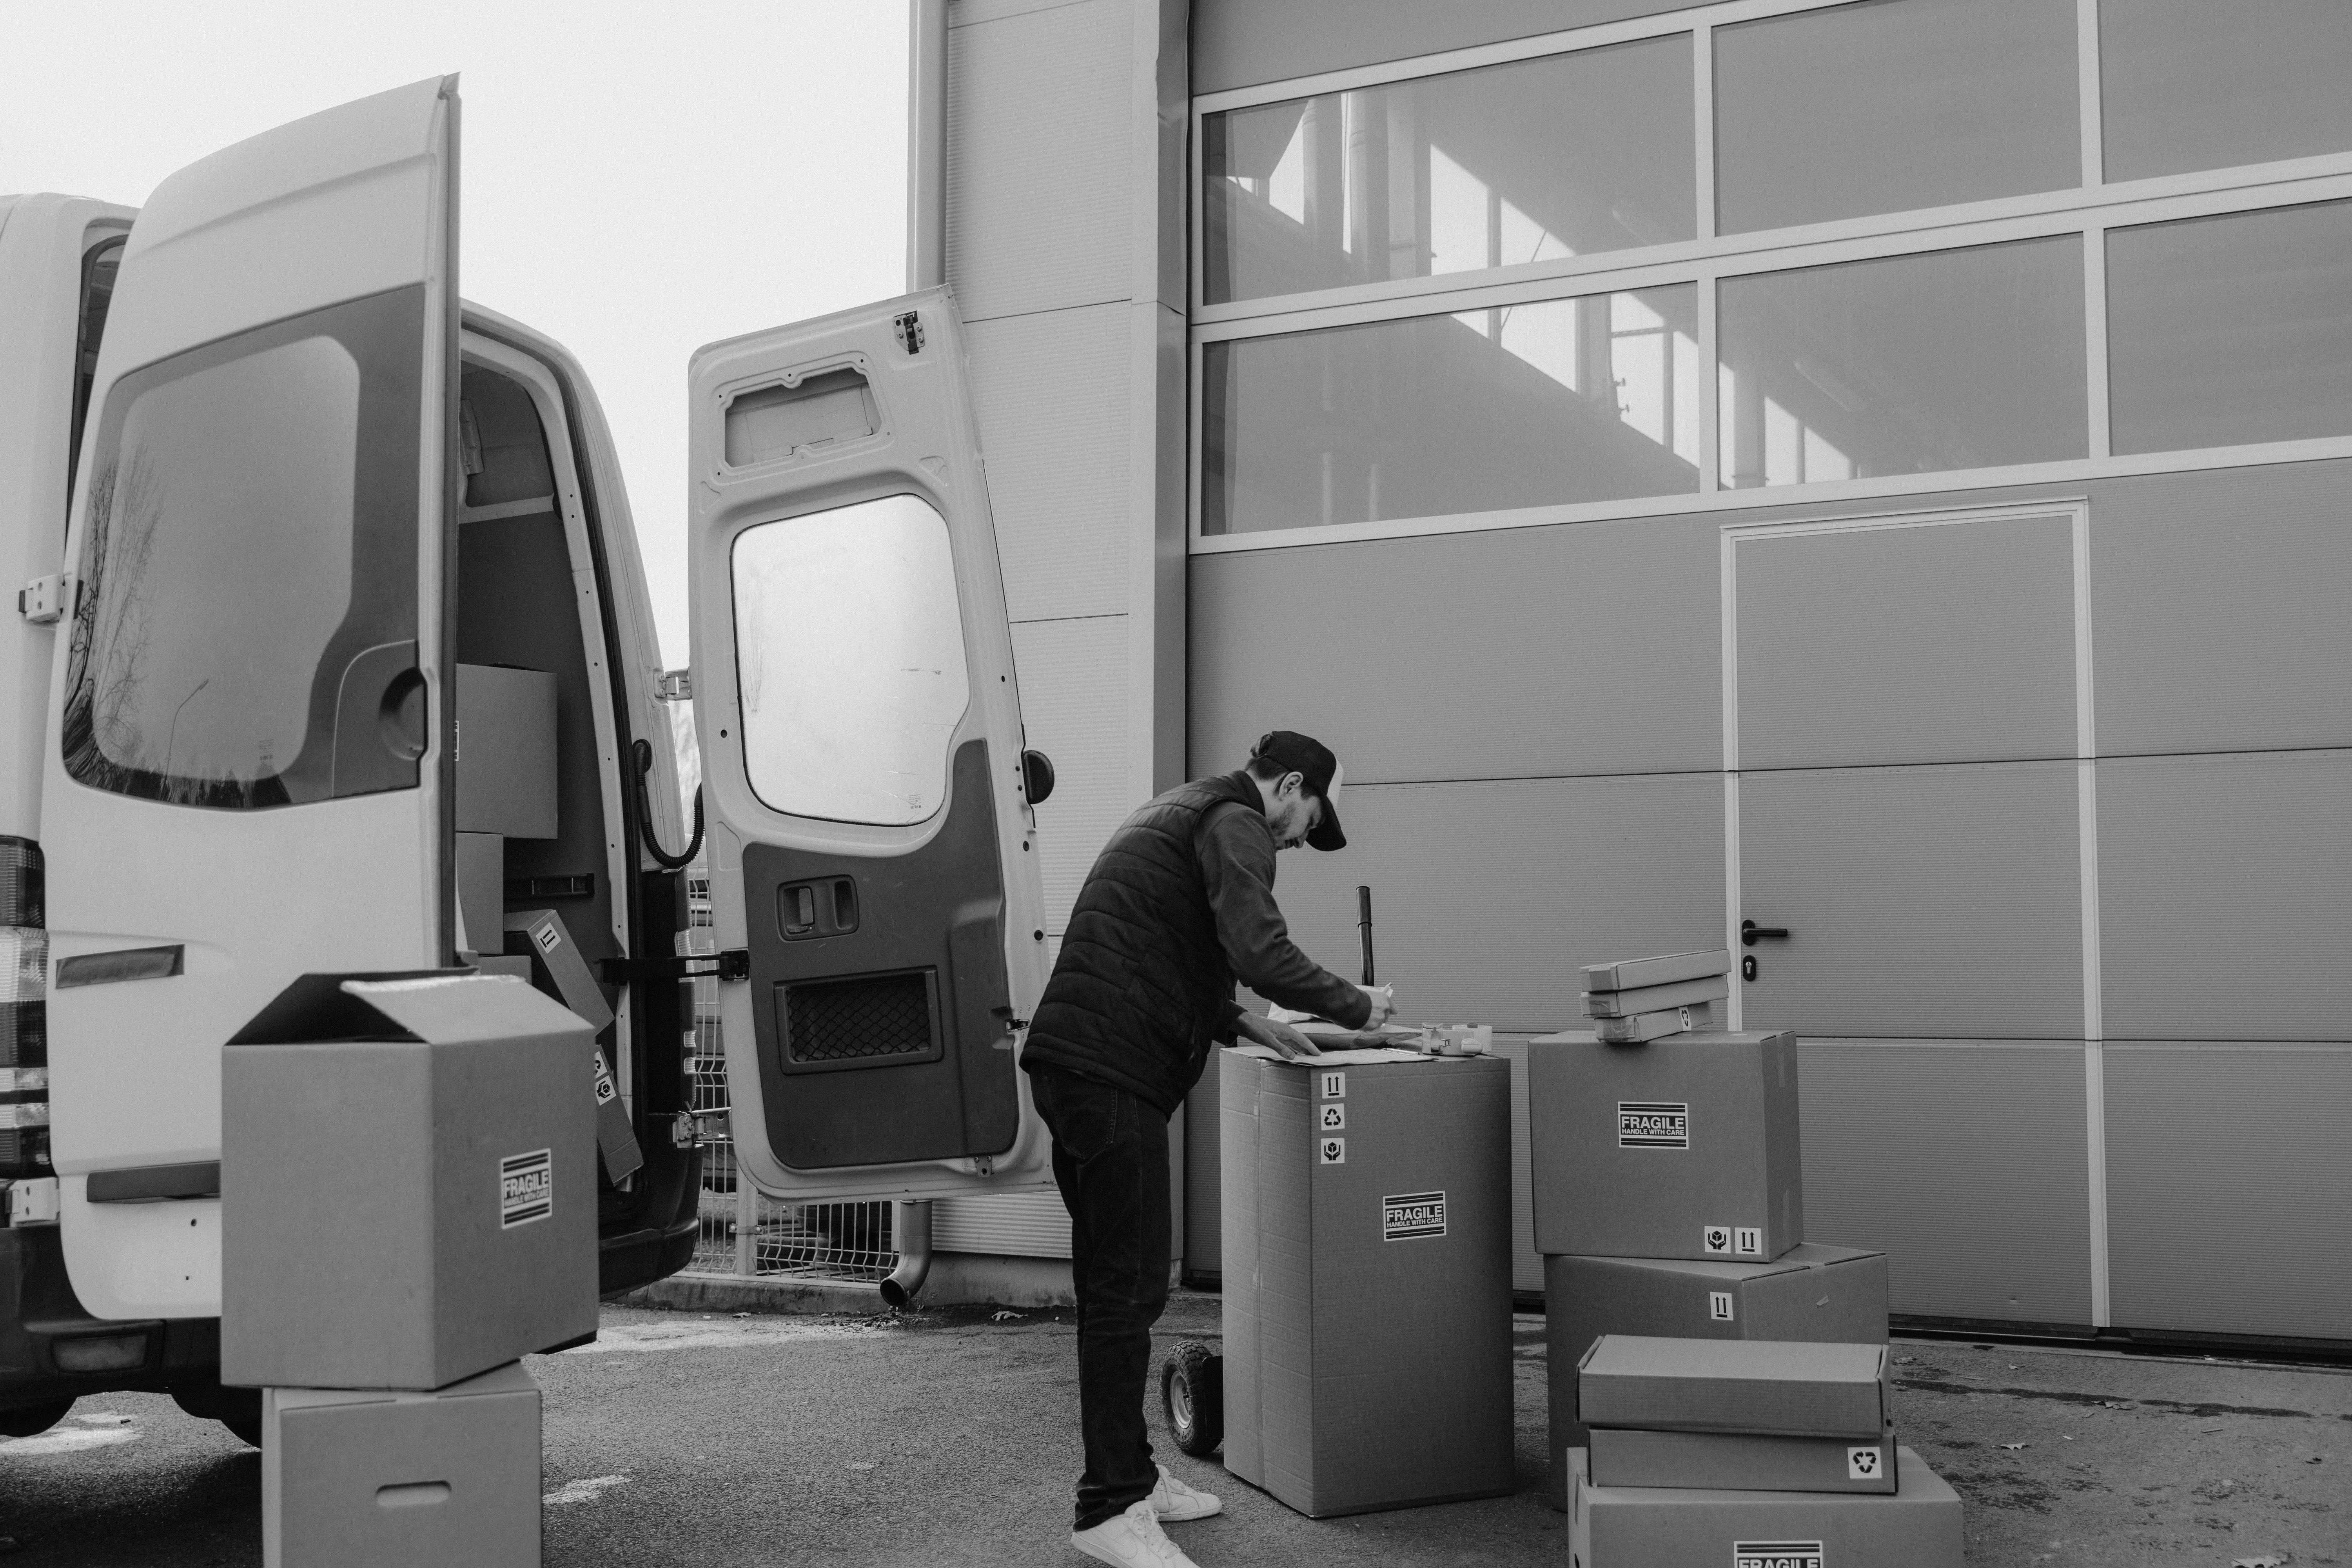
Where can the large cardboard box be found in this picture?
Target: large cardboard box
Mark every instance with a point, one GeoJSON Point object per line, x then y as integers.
{"type": "Point", "coordinates": [1367, 1212]}
{"type": "Point", "coordinates": [506, 750]}
{"type": "Point", "coordinates": [1740, 1462]}
{"type": "Point", "coordinates": [481, 890]}
{"type": "Point", "coordinates": [1780, 1387]}
{"type": "Point", "coordinates": [352, 1479]}
{"type": "Point", "coordinates": [1812, 1291]}
{"type": "Point", "coordinates": [1661, 1527]}
{"type": "Point", "coordinates": [1684, 1147]}
{"type": "Point", "coordinates": [408, 1182]}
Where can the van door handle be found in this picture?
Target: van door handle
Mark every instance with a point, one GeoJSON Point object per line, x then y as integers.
{"type": "Point", "coordinates": [1750, 933]}
{"type": "Point", "coordinates": [379, 713]}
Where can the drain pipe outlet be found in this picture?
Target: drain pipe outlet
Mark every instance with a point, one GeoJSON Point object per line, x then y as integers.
{"type": "Point", "coordinates": [910, 1226]}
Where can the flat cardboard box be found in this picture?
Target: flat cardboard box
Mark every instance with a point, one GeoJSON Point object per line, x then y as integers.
{"type": "Point", "coordinates": [1741, 1461]}
{"type": "Point", "coordinates": [1656, 998]}
{"type": "Point", "coordinates": [541, 936]}
{"type": "Point", "coordinates": [1685, 1147]}
{"type": "Point", "coordinates": [481, 890]}
{"type": "Point", "coordinates": [352, 1479]}
{"type": "Point", "coordinates": [1776, 1387]}
{"type": "Point", "coordinates": [1643, 1027]}
{"type": "Point", "coordinates": [1662, 1527]}
{"type": "Point", "coordinates": [408, 1182]}
{"type": "Point", "coordinates": [1812, 1291]}
{"type": "Point", "coordinates": [1664, 969]}
{"type": "Point", "coordinates": [506, 750]}
{"type": "Point", "coordinates": [1367, 1261]}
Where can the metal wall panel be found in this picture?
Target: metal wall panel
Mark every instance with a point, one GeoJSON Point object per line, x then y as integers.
{"type": "Point", "coordinates": [1939, 902]}
{"type": "Point", "coordinates": [1943, 642]}
{"type": "Point", "coordinates": [1018, 1224]}
{"type": "Point", "coordinates": [1967, 1163]}
{"type": "Point", "coordinates": [2227, 1170]}
{"type": "Point", "coordinates": [1054, 393]}
{"type": "Point", "coordinates": [1074, 703]}
{"type": "Point", "coordinates": [1525, 653]}
{"type": "Point", "coordinates": [1239, 43]}
{"type": "Point", "coordinates": [2218, 603]}
{"type": "Point", "coordinates": [2225, 896]}
{"type": "Point", "coordinates": [1039, 114]}
{"type": "Point", "coordinates": [1489, 898]}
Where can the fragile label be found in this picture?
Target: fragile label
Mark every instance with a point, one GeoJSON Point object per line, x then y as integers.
{"type": "Point", "coordinates": [1718, 1306]}
{"type": "Point", "coordinates": [1864, 1464]}
{"type": "Point", "coordinates": [1335, 1086]}
{"type": "Point", "coordinates": [1748, 1241]}
{"type": "Point", "coordinates": [607, 1089]}
{"type": "Point", "coordinates": [1776, 1554]}
{"type": "Point", "coordinates": [526, 1188]}
{"type": "Point", "coordinates": [1716, 1239]}
{"type": "Point", "coordinates": [1332, 1151]}
{"type": "Point", "coordinates": [1414, 1214]}
{"type": "Point", "coordinates": [1648, 1124]}
{"type": "Point", "coordinates": [1334, 1117]}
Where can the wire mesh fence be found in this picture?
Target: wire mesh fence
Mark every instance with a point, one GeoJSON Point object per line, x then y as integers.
{"type": "Point", "coordinates": [742, 1232]}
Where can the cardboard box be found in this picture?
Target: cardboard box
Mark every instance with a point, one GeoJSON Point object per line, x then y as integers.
{"type": "Point", "coordinates": [408, 1182]}
{"type": "Point", "coordinates": [557, 967]}
{"type": "Point", "coordinates": [1741, 1461]}
{"type": "Point", "coordinates": [1643, 1027]}
{"type": "Point", "coordinates": [1366, 1223]}
{"type": "Point", "coordinates": [1656, 998]}
{"type": "Point", "coordinates": [353, 1479]}
{"type": "Point", "coordinates": [481, 890]}
{"type": "Point", "coordinates": [1812, 1291]}
{"type": "Point", "coordinates": [506, 750]}
{"type": "Point", "coordinates": [1778, 1387]}
{"type": "Point", "coordinates": [1660, 971]}
{"type": "Point", "coordinates": [1646, 1527]}
{"type": "Point", "coordinates": [1685, 1147]}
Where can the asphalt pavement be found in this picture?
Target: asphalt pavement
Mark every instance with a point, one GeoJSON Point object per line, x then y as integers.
{"type": "Point", "coordinates": [950, 1438]}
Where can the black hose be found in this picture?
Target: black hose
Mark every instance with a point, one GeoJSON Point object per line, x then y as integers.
{"type": "Point", "coordinates": [645, 816]}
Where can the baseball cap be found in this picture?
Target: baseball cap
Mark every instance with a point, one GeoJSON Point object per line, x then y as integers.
{"type": "Point", "coordinates": [1293, 753]}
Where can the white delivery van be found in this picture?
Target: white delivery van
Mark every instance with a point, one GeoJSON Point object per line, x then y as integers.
{"type": "Point", "coordinates": [271, 487]}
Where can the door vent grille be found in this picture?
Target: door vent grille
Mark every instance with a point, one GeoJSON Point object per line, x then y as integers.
{"type": "Point", "coordinates": [860, 1019]}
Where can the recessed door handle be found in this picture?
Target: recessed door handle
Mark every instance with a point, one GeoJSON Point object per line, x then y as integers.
{"type": "Point", "coordinates": [1750, 933]}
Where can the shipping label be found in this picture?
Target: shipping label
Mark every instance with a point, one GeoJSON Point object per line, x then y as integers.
{"type": "Point", "coordinates": [1748, 1241]}
{"type": "Point", "coordinates": [1864, 1464]}
{"type": "Point", "coordinates": [548, 936]}
{"type": "Point", "coordinates": [1412, 1213]}
{"type": "Point", "coordinates": [607, 1090]}
{"type": "Point", "coordinates": [1715, 1240]}
{"type": "Point", "coordinates": [1652, 1125]}
{"type": "Point", "coordinates": [1335, 1086]}
{"type": "Point", "coordinates": [1718, 1306]}
{"type": "Point", "coordinates": [526, 1187]}
{"type": "Point", "coordinates": [1776, 1554]}
{"type": "Point", "coordinates": [1333, 1118]}
{"type": "Point", "coordinates": [1332, 1152]}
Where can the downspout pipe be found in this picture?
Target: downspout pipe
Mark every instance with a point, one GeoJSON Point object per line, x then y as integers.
{"type": "Point", "coordinates": [910, 1229]}
{"type": "Point", "coordinates": [927, 267]}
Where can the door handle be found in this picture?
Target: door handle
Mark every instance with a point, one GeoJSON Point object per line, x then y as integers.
{"type": "Point", "coordinates": [380, 720]}
{"type": "Point", "coordinates": [1750, 933]}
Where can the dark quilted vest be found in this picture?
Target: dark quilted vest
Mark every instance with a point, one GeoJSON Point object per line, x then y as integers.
{"type": "Point", "coordinates": [1141, 980]}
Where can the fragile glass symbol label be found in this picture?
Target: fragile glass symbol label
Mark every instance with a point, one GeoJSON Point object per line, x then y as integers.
{"type": "Point", "coordinates": [1776, 1554]}
{"type": "Point", "coordinates": [526, 1187]}
{"type": "Point", "coordinates": [1716, 1239]}
{"type": "Point", "coordinates": [1332, 1151]}
{"type": "Point", "coordinates": [1412, 1213]}
{"type": "Point", "coordinates": [1652, 1125]}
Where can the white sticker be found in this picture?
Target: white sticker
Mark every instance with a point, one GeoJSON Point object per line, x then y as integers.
{"type": "Point", "coordinates": [547, 936]}
{"type": "Point", "coordinates": [607, 1089]}
{"type": "Point", "coordinates": [1652, 1125]}
{"type": "Point", "coordinates": [1716, 1239]}
{"type": "Point", "coordinates": [526, 1187]}
{"type": "Point", "coordinates": [1335, 1086]}
{"type": "Point", "coordinates": [1749, 1241]}
{"type": "Point", "coordinates": [1332, 1151]}
{"type": "Point", "coordinates": [1776, 1554]}
{"type": "Point", "coordinates": [1718, 1306]}
{"type": "Point", "coordinates": [1412, 1213]}
{"type": "Point", "coordinates": [1862, 1464]}
{"type": "Point", "coordinates": [1335, 1117]}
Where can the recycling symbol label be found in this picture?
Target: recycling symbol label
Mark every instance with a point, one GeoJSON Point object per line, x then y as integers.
{"type": "Point", "coordinates": [1863, 1464]}
{"type": "Point", "coordinates": [1335, 1117]}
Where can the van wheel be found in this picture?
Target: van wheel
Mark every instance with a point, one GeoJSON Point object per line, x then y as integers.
{"type": "Point", "coordinates": [1193, 1391]}
{"type": "Point", "coordinates": [31, 1420]}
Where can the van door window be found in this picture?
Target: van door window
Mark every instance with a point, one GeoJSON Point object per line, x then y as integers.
{"type": "Point", "coordinates": [99, 268]}
{"type": "Point", "coordinates": [244, 632]}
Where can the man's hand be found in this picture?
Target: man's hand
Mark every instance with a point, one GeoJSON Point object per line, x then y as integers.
{"type": "Point", "coordinates": [1383, 1004]}
{"type": "Point", "coordinates": [1280, 1039]}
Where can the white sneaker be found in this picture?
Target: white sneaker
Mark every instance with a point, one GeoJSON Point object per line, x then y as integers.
{"type": "Point", "coordinates": [1133, 1540]}
{"type": "Point", "coordinates": [1175, 1502]}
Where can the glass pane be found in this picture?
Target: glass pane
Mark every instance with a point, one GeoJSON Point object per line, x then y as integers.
{"type": "Point", "coordinates": [1891, 106]}
{"type": "Point", "coordinates": [1528, 162]}
{"type": "Point", "coordinates": [220, 568]}
{"type": "Point", "coordinates": [849, 653]}
{"type": "Point", "coordinates": [1537, 405]}
{"type": "Point", "coordinates": [2204, 84]}
{"type": "Point", "coordinates": [1955, 359]}
{"type": "Point", "coordinates": [2222, 331]}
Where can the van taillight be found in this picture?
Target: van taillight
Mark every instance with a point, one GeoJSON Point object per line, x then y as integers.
{"type": "Point", "coordinates": [24, 1010]}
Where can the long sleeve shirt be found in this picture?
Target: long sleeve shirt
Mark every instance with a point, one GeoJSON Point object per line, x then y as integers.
{"type": "Point", "coordinates": [1236, 849]}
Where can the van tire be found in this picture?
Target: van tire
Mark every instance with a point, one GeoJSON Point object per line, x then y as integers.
{"type": "Point", "coordinates": [32, 1420]}
{"type": "Point", "coordinates": [1192, 1394]}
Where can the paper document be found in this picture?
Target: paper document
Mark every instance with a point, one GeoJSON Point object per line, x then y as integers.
{"type": "Point", "coordinates": [1351, 1056]}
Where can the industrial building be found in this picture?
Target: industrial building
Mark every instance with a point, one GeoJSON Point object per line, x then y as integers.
{"type": "Point", "coordinates": [1876, 470]}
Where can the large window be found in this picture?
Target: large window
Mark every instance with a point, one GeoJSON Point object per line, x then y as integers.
{"type": "Point", "coordinates": [247, 602]}
{"type": "Point", "coordinates": [2188, 85]}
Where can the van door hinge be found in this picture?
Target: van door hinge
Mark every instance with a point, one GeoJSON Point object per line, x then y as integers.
{"type": "Point", "coordinates": [730, 963]}
{"type": "Point", "coordinates": [43, 600]}
{"type": "Point", "coordinates": [675, 686]}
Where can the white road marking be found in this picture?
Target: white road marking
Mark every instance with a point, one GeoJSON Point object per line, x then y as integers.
{"type": "Point", "coordinates": [90, 1429]}
{"type": "Point", "coordinates": [706, 1334]}
{"type": "Point", "coordinates": [582, 1492]}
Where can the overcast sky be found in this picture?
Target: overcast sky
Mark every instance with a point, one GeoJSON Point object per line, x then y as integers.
{"type": "Point", "coordinates": [639, 179]}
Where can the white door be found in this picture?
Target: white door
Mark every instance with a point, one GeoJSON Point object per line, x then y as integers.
{"type": "Point", "coordinates": [246, 780]}
{"type": "Point", "coordinates": [874, 878]}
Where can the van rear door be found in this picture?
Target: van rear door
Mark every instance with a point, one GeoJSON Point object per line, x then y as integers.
{"type": "Point", "coordinates": [245, 777]}
{"type": "Point", "coordinates": [873, 876]}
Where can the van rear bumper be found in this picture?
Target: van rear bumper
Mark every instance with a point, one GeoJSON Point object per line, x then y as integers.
{"type": "Point", "coordinates": [38, 1312]}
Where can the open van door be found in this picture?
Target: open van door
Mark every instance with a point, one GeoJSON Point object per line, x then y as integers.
{"type": "Point", "coordinates": [245, 777]}
{"type": "Point", "coordinates": [872, 876]}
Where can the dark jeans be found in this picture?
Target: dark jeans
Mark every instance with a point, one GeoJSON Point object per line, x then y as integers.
{"type": "Point", "coordinates": [1111, 1160]}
